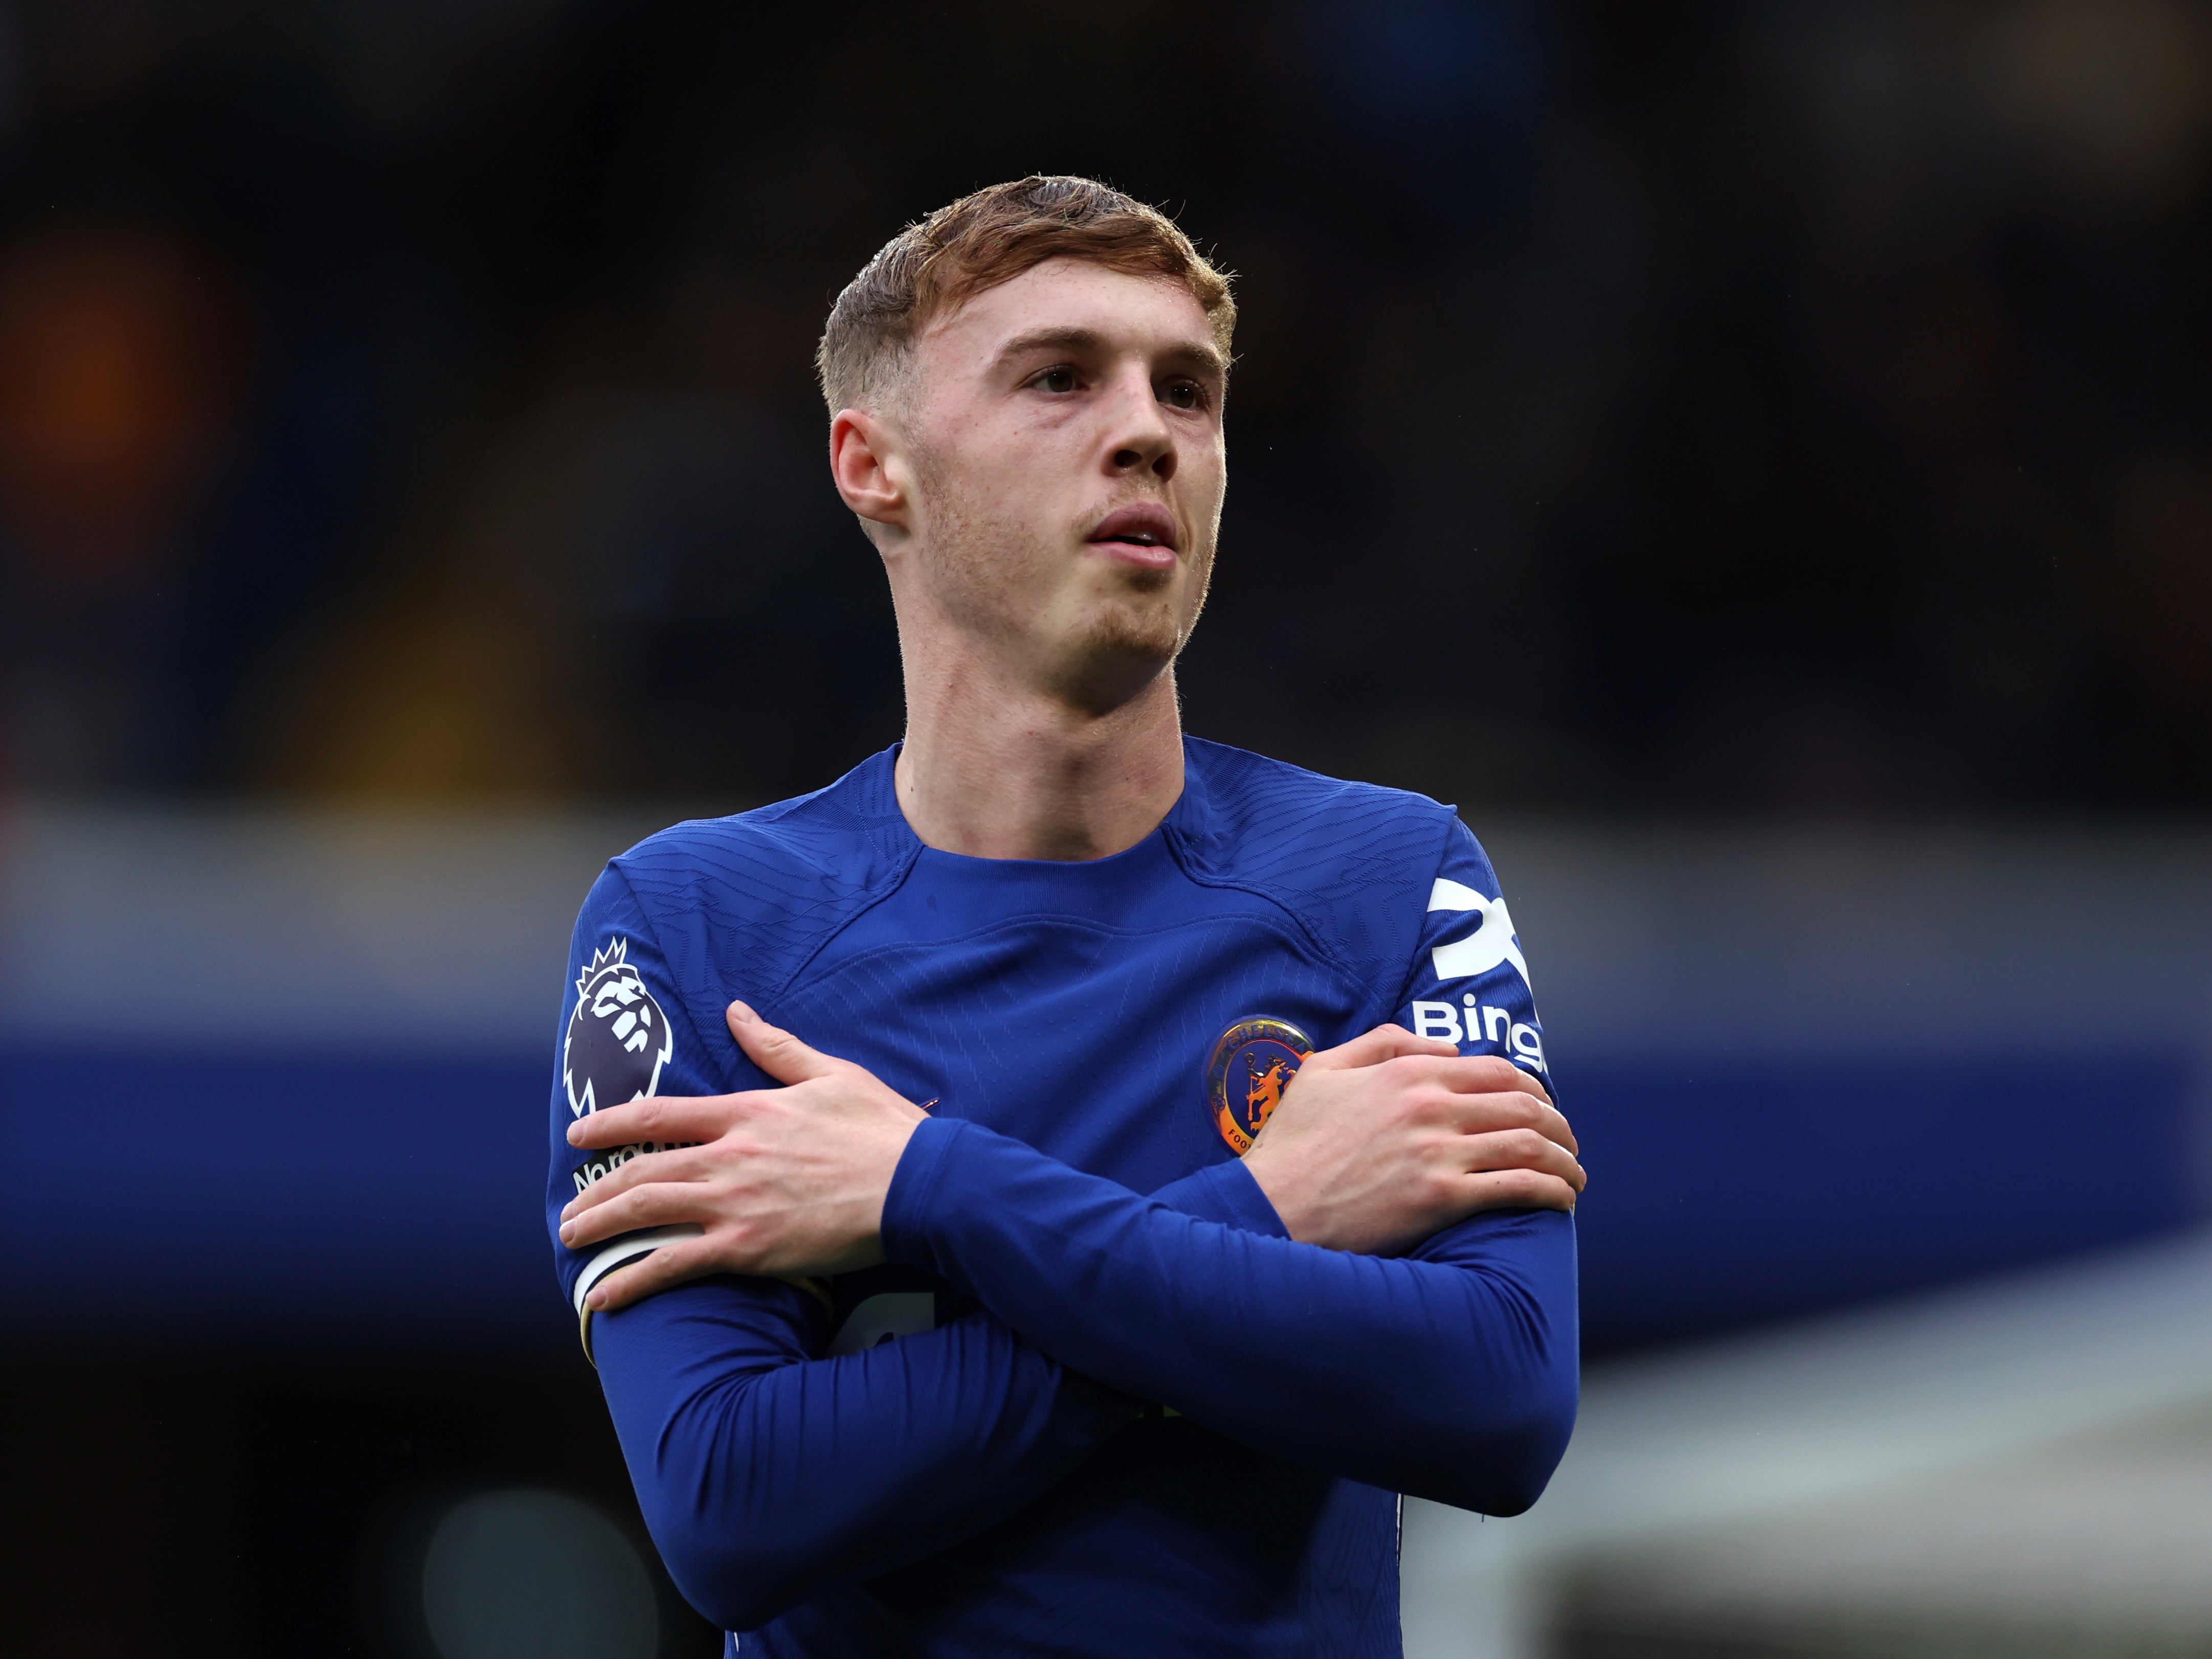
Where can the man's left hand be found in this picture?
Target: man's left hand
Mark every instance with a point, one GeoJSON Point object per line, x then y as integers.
{"type": "Point", "coordinates": [786, 1182]}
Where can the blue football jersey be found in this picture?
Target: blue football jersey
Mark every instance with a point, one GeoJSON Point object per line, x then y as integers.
{"type": "Point", "coordinates": [1096, 1401]}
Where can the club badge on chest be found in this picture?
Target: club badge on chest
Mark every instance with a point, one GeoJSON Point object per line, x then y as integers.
{"type": "Point", "coordinates": [1253, 1063]}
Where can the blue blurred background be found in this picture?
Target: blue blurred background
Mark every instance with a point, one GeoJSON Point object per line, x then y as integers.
{"type": "Point", "coordinates": [1756, 460]}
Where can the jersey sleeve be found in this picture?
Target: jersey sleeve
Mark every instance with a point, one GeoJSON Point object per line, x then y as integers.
{"type": "Point", "coordinates": [624, 1033]}
{"type": "Point", "coordinates": [1449, 1374]}
{"type": "Point", "coordinates": [1468, 982]}
{"type": "Point", "coordinates": [764, 1468]}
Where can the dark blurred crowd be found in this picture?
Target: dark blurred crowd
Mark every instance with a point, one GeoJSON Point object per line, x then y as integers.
{"type": "Point", "coordinates": [1721, 406]}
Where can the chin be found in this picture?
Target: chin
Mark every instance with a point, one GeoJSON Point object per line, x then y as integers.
{"type": "Point", "coordinates": [1118, 657]}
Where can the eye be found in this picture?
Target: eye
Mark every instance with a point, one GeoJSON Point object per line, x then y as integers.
{"type": "Point", "coordinates": [1183, 394]}
{"type": "Point", "coordinates": [1059, 379]}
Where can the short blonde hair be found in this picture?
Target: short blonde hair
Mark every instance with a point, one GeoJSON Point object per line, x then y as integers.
{"type": "Point", "coordinates": [993, 237]}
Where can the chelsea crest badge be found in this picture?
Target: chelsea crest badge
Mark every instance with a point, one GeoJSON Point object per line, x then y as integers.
{"type": "Point", "coordinates": [1253, 1063]}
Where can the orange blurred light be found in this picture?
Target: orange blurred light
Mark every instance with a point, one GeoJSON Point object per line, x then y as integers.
{"type": "Point", "coordinates": [121, 362]}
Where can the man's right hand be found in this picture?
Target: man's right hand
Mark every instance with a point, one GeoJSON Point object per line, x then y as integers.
{"type": "Point", "coordinates": [1391, 1137]}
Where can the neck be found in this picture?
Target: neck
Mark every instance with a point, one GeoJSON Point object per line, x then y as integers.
{"type": "Point", "coordinates": [994, 769]}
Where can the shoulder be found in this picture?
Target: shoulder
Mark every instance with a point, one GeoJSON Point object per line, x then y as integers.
{"type": "Point", "coordinates": [1268, 810]}
{"type": "Point", "coordinates": [1354, 861]}
{"type": "Point", "coordinates": [747, 899]}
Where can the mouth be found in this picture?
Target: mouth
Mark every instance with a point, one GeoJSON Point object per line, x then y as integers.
{"type": "Point", "coordinates": [1143, 535]}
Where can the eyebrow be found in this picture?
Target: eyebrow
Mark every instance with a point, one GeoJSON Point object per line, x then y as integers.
{"type": "Point", "coordinates": [1205, 354]}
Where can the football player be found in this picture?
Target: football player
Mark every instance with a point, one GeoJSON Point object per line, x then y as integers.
{"type": "Point", "coordinates": [1051, 1190]}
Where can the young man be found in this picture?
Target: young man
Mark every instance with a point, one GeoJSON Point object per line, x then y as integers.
{"type": "Point", "coordinates": [1082, 1174]}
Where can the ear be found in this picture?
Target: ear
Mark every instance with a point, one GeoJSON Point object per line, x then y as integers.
{"type": "Point", "coordinates": [864, 464]}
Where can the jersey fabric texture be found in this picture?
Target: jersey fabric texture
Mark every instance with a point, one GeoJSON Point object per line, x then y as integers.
{"type": "Point", "coordinates": [1096, 1402]}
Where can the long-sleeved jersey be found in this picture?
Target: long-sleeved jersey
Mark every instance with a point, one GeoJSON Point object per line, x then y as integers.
{"type": "Point", "coordinates": [1096, 1402]}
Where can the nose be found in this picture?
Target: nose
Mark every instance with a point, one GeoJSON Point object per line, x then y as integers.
{"type": "Point", "coordinates": [1139, 438]}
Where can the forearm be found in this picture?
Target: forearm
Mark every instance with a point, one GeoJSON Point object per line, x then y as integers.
{"type": "Point", "coordinates": [763, 1473]}
{"type": "Point", "coordinates": [1450, 1374]}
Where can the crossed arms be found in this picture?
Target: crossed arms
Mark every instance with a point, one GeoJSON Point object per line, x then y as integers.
{"type": "Point", "coordinates": [1382, 1289]}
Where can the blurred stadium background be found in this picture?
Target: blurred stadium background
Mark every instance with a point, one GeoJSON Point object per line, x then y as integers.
{"type": "Point", "coordinates": [1757, 461]}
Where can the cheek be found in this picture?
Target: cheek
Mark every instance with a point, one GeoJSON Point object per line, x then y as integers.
{"type": "Point", "coordinates": [1207, 486]}
{"type": "Point", "coordinates": [1210, 465]}
{"type": "Point", "coordinates": [1201, 479]}
{"type": "Point", "coordinates": [1013, 478]}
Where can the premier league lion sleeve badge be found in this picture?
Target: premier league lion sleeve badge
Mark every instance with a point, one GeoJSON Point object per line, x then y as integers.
{"type": "Point", "coordinates": [618, 1038]}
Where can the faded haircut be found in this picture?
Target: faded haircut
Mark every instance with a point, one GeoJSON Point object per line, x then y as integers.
{"type": "Point", "coordinates": [992, 237]}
